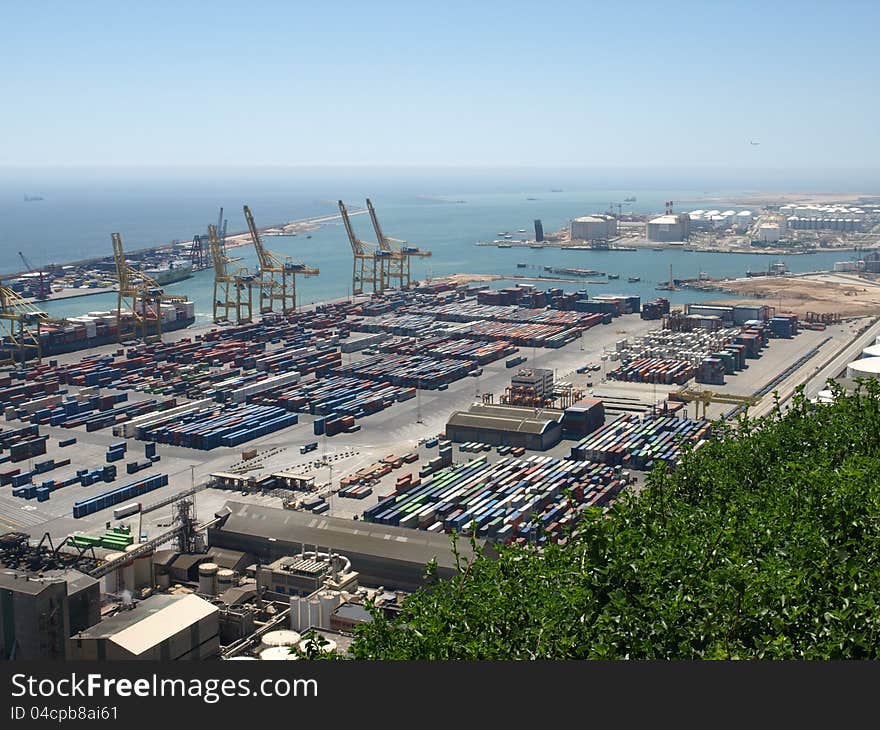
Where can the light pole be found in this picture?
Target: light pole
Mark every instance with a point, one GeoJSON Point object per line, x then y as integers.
{"type": "Point", "coordinates": [419, 400]}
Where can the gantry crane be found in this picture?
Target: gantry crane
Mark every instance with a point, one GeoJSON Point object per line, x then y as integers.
{"type": "Point", "coordinates": [399, 255]}
{"type": "Point", "coordinates": [369, 264]}
{"type": "Point", "coordinates": [43, 291]}
{"type": "Point", "coordinates": [20, 329]}
{"type": "Point", "coordinates": [707, 397]}
{"type": "Point", "coordinates": [277, 275]}
{"type": "Point", "coordinates": [139, 300]}
{"type": "Point", "coordinates": [232, 284]}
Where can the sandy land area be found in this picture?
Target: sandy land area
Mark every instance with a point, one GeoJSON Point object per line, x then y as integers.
{"type": "Point", "coordinates": [849, 296]}
{"type": "Point", "coordinates": [762, 199]}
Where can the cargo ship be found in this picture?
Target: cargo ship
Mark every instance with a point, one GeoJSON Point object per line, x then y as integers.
{"type": "Point", "coordinates": [99, 328]}
{"type": "Point", "coordinates": [169, 274]}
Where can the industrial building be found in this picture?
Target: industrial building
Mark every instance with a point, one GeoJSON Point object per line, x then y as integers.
{"type": "Point", "coordinates": [38, 613]}
{"type": "Point", "coordinates": [736, 314]}
{"type": "Point", "coordinates": [537, 382]}
{"type": "Point", "coordinates": [506, 426]}
{"type": "Point", "coordinates": [596, 227]}
{"type": "Point", "coordinates": [383, 555]}
{"type": "Point", "coordinates": [302, 575]}
{"type": "Point", "coordinates": [669, 227]}
{"type": "Point", "coordinates": [164, 627]}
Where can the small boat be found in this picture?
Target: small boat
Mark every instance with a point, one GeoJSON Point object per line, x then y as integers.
{"type": "Point", "coordinates": [535, 245]}
{"type": "Point", "coordinates": [630, 199]}
{"type": "Point", "coordinates": [521, 266]}
{"type": "Point", "coordinates": [521, 230]}
{"type": "Point", "coordinates": [613, 276]}
{"type": "Point", "coordinates": [503, 233]}
{"type": "Point", "coordinates": [504, 245]}
{"type": "Point", "coordinates": [634, 279]}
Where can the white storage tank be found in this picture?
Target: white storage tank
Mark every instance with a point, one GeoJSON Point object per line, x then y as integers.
{"type": "Point", "coordinates": [208, 578]}
{"type": "Point", "coordinates": [282, 637]}
{"type": "Point", "coordinates": [112, 582]}
{"type": "Point", "coordinates": [225, 580]}
{"type": "Point", "coordinates": [871, 351]}
{"type": "Point", "coordinates": [278, 653]}
{"type": "Point", "coordinates": [143, 568]}
{"type": "Point", "coordinates": [868, 367]}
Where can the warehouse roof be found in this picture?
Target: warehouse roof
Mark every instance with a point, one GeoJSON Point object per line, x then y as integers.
{"type": "Point", "coordinates": [151, 621]}
{"type": "Point", "coordinates": [347, 537]}
{"type": "Point", "coordinates": [499, 422]}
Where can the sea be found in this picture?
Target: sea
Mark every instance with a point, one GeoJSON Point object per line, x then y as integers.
{"type": "Point", "coordinates": [445, 211]}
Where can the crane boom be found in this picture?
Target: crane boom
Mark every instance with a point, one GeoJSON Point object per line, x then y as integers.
{"type": "Point", "coordinates": [277, 276]}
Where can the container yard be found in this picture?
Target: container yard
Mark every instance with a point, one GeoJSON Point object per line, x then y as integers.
{"type": "Point", "coordinates": [640, 442]}
{"type": "Point", "coordinates": [289, 392]}
{"type": "Point", "coordinates": [511, 500]}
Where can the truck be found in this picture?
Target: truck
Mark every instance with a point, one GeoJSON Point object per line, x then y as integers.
{"type": "Point", "coordinates": [306, 448]}
{"type": "Point", "coordinates": [512, 362]}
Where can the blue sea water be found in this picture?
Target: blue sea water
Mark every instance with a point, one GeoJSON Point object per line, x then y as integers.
{"type": "Point", "coordinates": [446, 212]}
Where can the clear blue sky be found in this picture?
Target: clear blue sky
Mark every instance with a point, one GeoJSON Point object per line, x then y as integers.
{"type": "Point", "coordinates": [582, 84]}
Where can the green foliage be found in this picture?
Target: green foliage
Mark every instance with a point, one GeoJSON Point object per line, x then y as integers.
{"type": "Point", "coordinates": [763, 544]}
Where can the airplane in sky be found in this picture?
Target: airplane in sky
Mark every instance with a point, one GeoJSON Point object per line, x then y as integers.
{"type": "Point", "coordinates": [754, 144]}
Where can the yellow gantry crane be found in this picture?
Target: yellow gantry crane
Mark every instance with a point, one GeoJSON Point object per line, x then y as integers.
{"type": "Point", "coordinates": [19, 328]}
{"type": "Point", "coordinates": [233, 284]}
{"type": "Point", "coordinates": [139, 299]}
{"type": "Point", "coordinates": [277, 280]}
{"type": "Point", "coordinates": [398, 254]}
{"type": "Point", "coordinates": [369, 265]}
{"type": "Point", "coordinates": [707, 397]}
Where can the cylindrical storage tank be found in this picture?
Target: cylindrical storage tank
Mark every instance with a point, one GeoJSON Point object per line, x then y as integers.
{"type": "Point", "coordinates": [314, 608]}
{"type": "Point", "coordinates": [163, 581]}
{"type": "Point", "coordinates": [328, 605]}
{"type": "Point", "coordinates": [296, 613]}
{"type": "Point", "coordinates": [111, 582]}
{"type": "Point", "coordinates": [208, 578]}
{"type": "Point", "coordinates": [868, 367]}
{"type": "Point", "coordinates": [282, 637]}
{"type": "Point", "coordinates": [278, 653]}
{"type": "Point", "coordinates": [143, 568]}
{"type": "Point", "coordinates": [327, 648]}
{"type": "Point", "coordinates": [871, 351]}
{"type": "Point", "coordinates": [126, 575]}
{"type": "Point", "coordinates": [225, 580]}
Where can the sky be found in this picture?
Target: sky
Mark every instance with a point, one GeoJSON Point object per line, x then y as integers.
{"type": "Point", "coordinates": [580, 84]}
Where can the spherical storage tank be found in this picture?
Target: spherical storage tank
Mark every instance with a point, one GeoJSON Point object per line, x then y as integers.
{"type": "Point", "coordinates": [283, 637]}
{"type": "Point", "coordinates": [278, 653]}
{"type": "Point", "coordinates": [868, 367]}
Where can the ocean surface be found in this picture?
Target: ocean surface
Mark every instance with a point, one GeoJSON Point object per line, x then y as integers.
{"type": "Point", "coordinates": [446, 213]}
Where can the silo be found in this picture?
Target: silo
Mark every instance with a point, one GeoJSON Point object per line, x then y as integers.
{"type": "Point", "coordinates": [329, 602]}
{"type": "Point", "coordinates": [143, 568]}
{"type": "Point", "coordinates": [278, 653]}
{"type": "Point", "coordinates": [868, 367]}
{"type": "Point", "coordinates": [225, 580]}
{"type": "Point", "coordinates": [112, 582]}
{"type": "Point", "coordinates": [282, 637]}
{"type": "Point", "coordinates": [126, 573]}
{"type": "Point", "coordinates": [208, 578]}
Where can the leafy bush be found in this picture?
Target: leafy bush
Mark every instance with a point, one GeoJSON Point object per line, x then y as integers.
{"type": "Point", "coordinates": [762, 544]}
